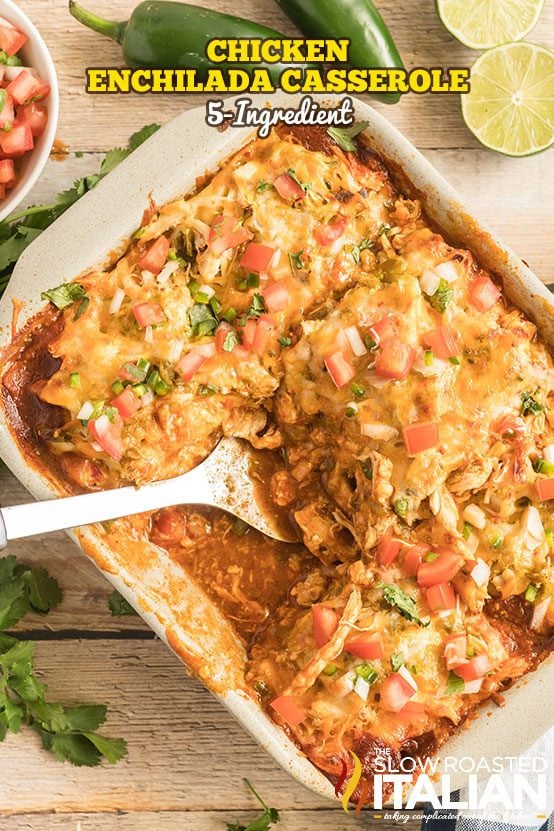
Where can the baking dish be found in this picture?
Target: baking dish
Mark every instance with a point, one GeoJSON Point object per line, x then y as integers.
{"type": "Point", "coordinates": [189, 622]}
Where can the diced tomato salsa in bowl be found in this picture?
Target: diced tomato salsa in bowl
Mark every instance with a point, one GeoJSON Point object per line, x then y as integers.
{"type": "Point", "coordinates": [28, 107]}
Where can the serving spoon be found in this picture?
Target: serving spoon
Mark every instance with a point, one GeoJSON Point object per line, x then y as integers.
{"type": "Point", "coordinates": [225, 479]}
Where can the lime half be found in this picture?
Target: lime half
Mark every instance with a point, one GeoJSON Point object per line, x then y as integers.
{"type": "Point", "coordinates": [511, 104]}
{"type": "Point", "coordinates": [481, 24]}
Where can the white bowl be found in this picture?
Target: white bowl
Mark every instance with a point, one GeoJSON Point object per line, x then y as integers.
{"type": "Point", "coordinates": [35, 53]}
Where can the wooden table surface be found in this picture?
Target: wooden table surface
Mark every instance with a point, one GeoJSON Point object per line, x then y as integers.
{"type": "Point", "coordinates": [187, 756]}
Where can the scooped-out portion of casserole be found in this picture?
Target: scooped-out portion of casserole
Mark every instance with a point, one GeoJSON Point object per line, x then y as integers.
{"type": "Point", "coordinates": [298, 300]}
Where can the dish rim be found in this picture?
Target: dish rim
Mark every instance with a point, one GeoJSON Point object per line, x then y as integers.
{"type": "Point", "coordinates": [115, 206]}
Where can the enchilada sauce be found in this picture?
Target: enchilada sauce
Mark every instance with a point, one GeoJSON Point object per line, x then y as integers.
{"type": "Point", "coordinates": [377, 505]}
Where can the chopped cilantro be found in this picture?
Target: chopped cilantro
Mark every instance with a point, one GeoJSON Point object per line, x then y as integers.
{"type": "Point", "coordinates": [529, 405]}
{"type": "Point", "coordinates": [455, 684]}
{"type": "Point", "coordinates": [64, 295]}
{"type": "Point", "coordinates": [385, 230]}
{"type": "Point", "coordinates": [442, 297]}
{"type": "Point", "coordinates": [208, 389]}
{"type": "Point", "coordinates": [406, 605]}
{"type": "Point", "coordinates": [262, 186]}
{"type": "Point", "coordinates": [396, 661]}
{"type": "Point", "coordinates": [231, 340]}
{"type": "Point", "coordinates": [295, 261]}
{"type": "Point", "coordinates": [367, 468]}
{"type": "Point", "coordinates": [251, 281]}
{"type": "Point", "coordinates": [257, 307]}
{"type": "Point", "coordinates": [118, 606]}
{"type": "Point", "coordinates": [202, 320]}
{"type": "Point", "coordinates": [304, 185]}
{"type": "Point", "coordinates": [284, 341]}
{"type": "Point", "coordinates": [343, 136]}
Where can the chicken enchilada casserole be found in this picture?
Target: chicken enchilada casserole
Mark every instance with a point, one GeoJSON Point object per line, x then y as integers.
{"type": "Point", "coordinates": [298, 300]}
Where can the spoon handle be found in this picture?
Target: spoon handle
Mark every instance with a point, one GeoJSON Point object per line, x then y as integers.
{"type": "Point", "coordinates": [19, 521]}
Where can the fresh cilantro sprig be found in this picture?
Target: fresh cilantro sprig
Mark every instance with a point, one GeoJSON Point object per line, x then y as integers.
{"type": "Point", "coordinates": [24, 589]}
{"type": "Point", "coordinates": [118, 606]}
{"type": "Point", "coordinates": [21, 228]}
{"type": "Point", "coordinates": [69, 733]}
{"type": "Point", "coordinates": [262, 823]}
{"type": "Point", "coordinates": [344, 136]}
{"type": "Point", "coordinates": [405, 604]}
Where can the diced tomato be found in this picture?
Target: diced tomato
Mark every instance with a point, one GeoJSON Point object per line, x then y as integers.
{"type": "Point", "coordinates": [442, 342]}
{"type": "Point", "coordinates": [421, 436]}
{"type": "Point", "coordinates": [414, 557]}
{"type": "Point", "coordinates": [441, 570]}
{"type": "Point", "coordinates": [411, 711]}
{"type": "Point", "coordinates": [339, 368]}
{"type": "Point", "coordinates": [384, 329]}
{"type": "Point", "coordinates": [37, 117]}
{"type": "Point", "coordinates": [388, 550]}
{"type": "Point", "coordinates": [288, 708]}
{"type": "Point", "coordinates": [474, 668]}
{"type": "Point", "coordinates": [455, 650]}
{"type": "Point", "coordinates": [545, 489]}
{"type": "Point", "coordinates": [26, 86]}
{"type": "Point", "coordinates": [396, 692]}
{"type": "Point", "coordinates": [221, 335]}
{"type": "Point", "coordinates": [394, 359]}
{"type": "Point", "coordinates": [483, 293]}
{"type": "Point", "coordinates": [7, 172]}
{"type": "Point", "coordinates": [441, 597]}
{"type": "Point", "coordinates": [148, 314]}
{"type": "Point", "coordinates": [7, 114]}
{"type": "Point", "coordinates": [18, 140]}
{"type": "Point", "coordinates": [249, 333]}
{"type": "Point", "coordinates": [257, 257]}
{"type": "Point", "coordinates": [227, 232]}
{"type": "Point", "coordinates": [190, 363]}
{"type": "Point", "coordinates": [288, 189]}
{"type": "Point", "coordinates": [276, 296]}
{"type": "Point", "coordinates": [156, 256]}
{"type": "Point", "coordinates": [325, 622]}
{"type": "Point", "coordinates": [11, 39]}
{"type": "Point", "coordinates": [108, 435]}
{"type": "Point", "coordinates": [264, 331]}
{"type": "Point", "coordinates": [326, 234]}
{"type": "Point", "coordinates": [127, 403]}
{"type": "Point", "coordinates": [2, 192]}
{"type": "Point", "coordinates": [365, 646]}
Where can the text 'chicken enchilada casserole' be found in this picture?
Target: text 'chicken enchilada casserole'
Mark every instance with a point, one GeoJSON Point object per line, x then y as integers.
{"type": "Point", "coordinates": [299, 301]}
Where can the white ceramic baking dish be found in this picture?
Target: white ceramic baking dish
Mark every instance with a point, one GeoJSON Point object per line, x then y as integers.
{"type": "Point", "coordinates": [178, 611]}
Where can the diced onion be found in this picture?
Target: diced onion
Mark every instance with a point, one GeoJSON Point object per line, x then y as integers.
{"type": "Point", "coordinates": [539, 613]}
{"type": "Point", "coordinates": [146, 275]}
{"type": "Point", "coordinates": [481, 573]}
{"type": "Point", "coordinates": [361, 688]}
{"type": "Point", "coordinates": [167, 271]}
{"type": "Point", "coordinates": [96, 446]}
{"type": "Point", "coordinates": [471, 687]}
{"type": "Point", "coordinates": [246, 172]}
{"type": "Point", "coordinates": [548, 453]}
{"type": "Point", "coordinates": [86, 411]}
{"type": "Point", "coordinates": [407, 676]}
{"type": "Point", "coordinates": [429, 282]}
{"type": "Point", "coordinates": [275, 259]}
{"type": "Point", "coordinates": [102, 425]}
{"type": "Point", "coordinates": [117, 301]}
{"type": "Point", "coordinates": [475, 516]}
{"type": "Point", "coordinates": [149, 334]}
{"type": "Point", "coordinates": [436, 367]}
{"type": "Point", "coordinates": [147, 398]}
{"type": "Point", "coordinates": [379, 432]}
{"type": "Point", "coordinates": [533, 523]}
{"type": "Point", "coordinates": [447, 271]}
{"type": "Point", "coordinates": [378, 382]}
{"type": "Point", "coordinates": [207, 290]}
{"type": "Point", "coordinates": [175, 351]}
{"type": "Point", "coordinates": [344, 685]}
{"type": "Point", "coordinates": [11, 72]}
{"type": "Point", "coordinates": [435, 502]}
{"type": "Point", "coordinates": [355, 341]}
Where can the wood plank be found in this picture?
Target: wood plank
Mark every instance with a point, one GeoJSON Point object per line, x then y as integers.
{"type": "Point", "coordinates": [95, 122]}
{"type": "Point", "coordinates": [324, 820]}
{"type": "Point", "coordinates": [186, 753]}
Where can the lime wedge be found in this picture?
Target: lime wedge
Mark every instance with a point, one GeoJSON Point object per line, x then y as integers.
{"type": "Point", "coordinates": [482, 24]}
{"type": "Point", "coordinates": [510, 107]}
